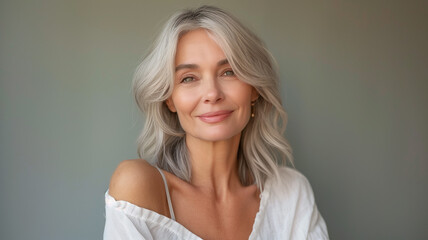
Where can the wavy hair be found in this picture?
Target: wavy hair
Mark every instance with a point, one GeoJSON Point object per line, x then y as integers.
{"type": "Point", "coordinates": [262, 145]}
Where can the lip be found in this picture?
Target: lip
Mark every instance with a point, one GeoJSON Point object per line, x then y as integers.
{"type": "Point", "coordinates": [214, 117]}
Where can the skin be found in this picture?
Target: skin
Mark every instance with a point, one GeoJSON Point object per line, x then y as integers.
{"type": "Point", "coordinates": [209, 87]}
{"type": "Point", "coordinates": [214, 205]}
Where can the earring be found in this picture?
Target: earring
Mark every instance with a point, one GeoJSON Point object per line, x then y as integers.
{"type": "Point", "coordinates": [252, 108]}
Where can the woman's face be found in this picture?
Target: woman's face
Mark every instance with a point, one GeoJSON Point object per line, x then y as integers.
{"type": "Point", "coordinates": [211, 102]}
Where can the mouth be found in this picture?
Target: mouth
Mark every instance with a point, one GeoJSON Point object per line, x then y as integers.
{"type": "Point", "coordinates": [214, 117]}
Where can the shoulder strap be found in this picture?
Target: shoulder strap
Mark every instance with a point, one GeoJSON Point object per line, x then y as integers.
{"type": "Point", "coordinates": [171, 211]}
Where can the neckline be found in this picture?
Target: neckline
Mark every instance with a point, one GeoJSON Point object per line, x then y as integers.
{"type": "Point", "coordinates": [173, 225]}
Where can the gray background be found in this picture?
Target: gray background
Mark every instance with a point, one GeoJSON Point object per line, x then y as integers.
{"type": "Point", "coordinates": [354, 82]}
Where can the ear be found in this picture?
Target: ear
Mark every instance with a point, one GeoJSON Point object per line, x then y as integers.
{"type": "Point", "coordinates": [254, 94]}
{"type": "Point", "coordinates": [170, 105]}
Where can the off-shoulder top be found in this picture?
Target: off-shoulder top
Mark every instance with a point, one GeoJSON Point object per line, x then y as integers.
{"type": "Point", "coordinates": [287, 211]}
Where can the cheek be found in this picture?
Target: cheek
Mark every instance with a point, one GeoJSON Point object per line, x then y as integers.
{"type": "Point", "coordinates": [184, 102]}
{"type": "Point", "coordinates": [240, 93]}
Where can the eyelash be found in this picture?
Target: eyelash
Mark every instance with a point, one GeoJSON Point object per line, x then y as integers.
{"type": "Point", "coordinates": [223, 74]}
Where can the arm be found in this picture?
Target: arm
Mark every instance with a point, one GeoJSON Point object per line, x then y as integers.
{"type": "Point", "coordinates": [132, 188]}
{"type": "Point", "coordinates": [307, 221]}
{"type": "Point", "coordinates": [120, 226]}
{"type": "Point", "coordinates": [316, 226]}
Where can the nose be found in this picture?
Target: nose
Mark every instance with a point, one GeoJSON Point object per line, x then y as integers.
{"type": "Point", "coordinates": [212, 92]}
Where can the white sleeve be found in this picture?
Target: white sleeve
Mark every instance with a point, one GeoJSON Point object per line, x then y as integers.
{"type": "Point", "coordinates": [120, 226]}
{"type": "Point", "coordinates": [317, 227]}
{"type": "Point", "coordinates": [314, 222]}
{"type": "Point", "coordinates": [307, 220]}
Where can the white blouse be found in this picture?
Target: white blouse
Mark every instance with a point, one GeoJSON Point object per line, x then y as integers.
{"type": "Point", "coordinates": [287, 211]}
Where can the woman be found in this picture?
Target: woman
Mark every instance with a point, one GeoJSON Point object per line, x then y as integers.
{"type": "Point", "coordinates": [213, 142]}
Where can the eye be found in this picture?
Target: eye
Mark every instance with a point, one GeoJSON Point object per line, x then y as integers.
{"type": "Point", "coordinates": [187, 79]}
{"type": "Point", "coordinates": [228, 73]}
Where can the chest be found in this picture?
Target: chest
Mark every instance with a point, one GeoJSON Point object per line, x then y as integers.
{"type": "Point", "coordinates": [209, 220]}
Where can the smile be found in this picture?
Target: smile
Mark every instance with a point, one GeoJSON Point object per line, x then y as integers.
{"type": "Point", "coordinates": [215, 117]}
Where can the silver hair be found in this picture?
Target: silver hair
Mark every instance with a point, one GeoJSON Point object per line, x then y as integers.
{"type": "Point", "coordinates": [162, 141]}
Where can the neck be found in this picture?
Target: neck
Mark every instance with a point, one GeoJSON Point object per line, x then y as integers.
{"type": "Point", "coordinates": [214, 166]}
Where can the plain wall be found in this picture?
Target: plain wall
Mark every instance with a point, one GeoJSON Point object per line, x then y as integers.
{"type": "Point", "coordinates": [354, 81]}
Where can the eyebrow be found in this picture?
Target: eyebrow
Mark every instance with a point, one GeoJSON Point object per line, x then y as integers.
{"type": "Point", "coordinates": [193, 66]}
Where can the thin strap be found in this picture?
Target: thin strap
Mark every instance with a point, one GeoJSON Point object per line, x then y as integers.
{"type": "Point", "coordinates": [171, 211]}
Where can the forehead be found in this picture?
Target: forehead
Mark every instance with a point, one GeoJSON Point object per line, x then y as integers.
{"type": "Point", "coordinates": [198, 46]}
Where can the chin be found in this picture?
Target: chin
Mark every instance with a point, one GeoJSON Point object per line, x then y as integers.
{"type": "Point", "coordinates": [214, 136]}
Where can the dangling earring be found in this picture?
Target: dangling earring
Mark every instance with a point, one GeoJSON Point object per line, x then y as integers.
{"type": "Point", "coordinates": [252, 108]}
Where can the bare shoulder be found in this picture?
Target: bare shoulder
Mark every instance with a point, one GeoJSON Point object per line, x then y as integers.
{"type": "Point", "coordinates": [138, 182]}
